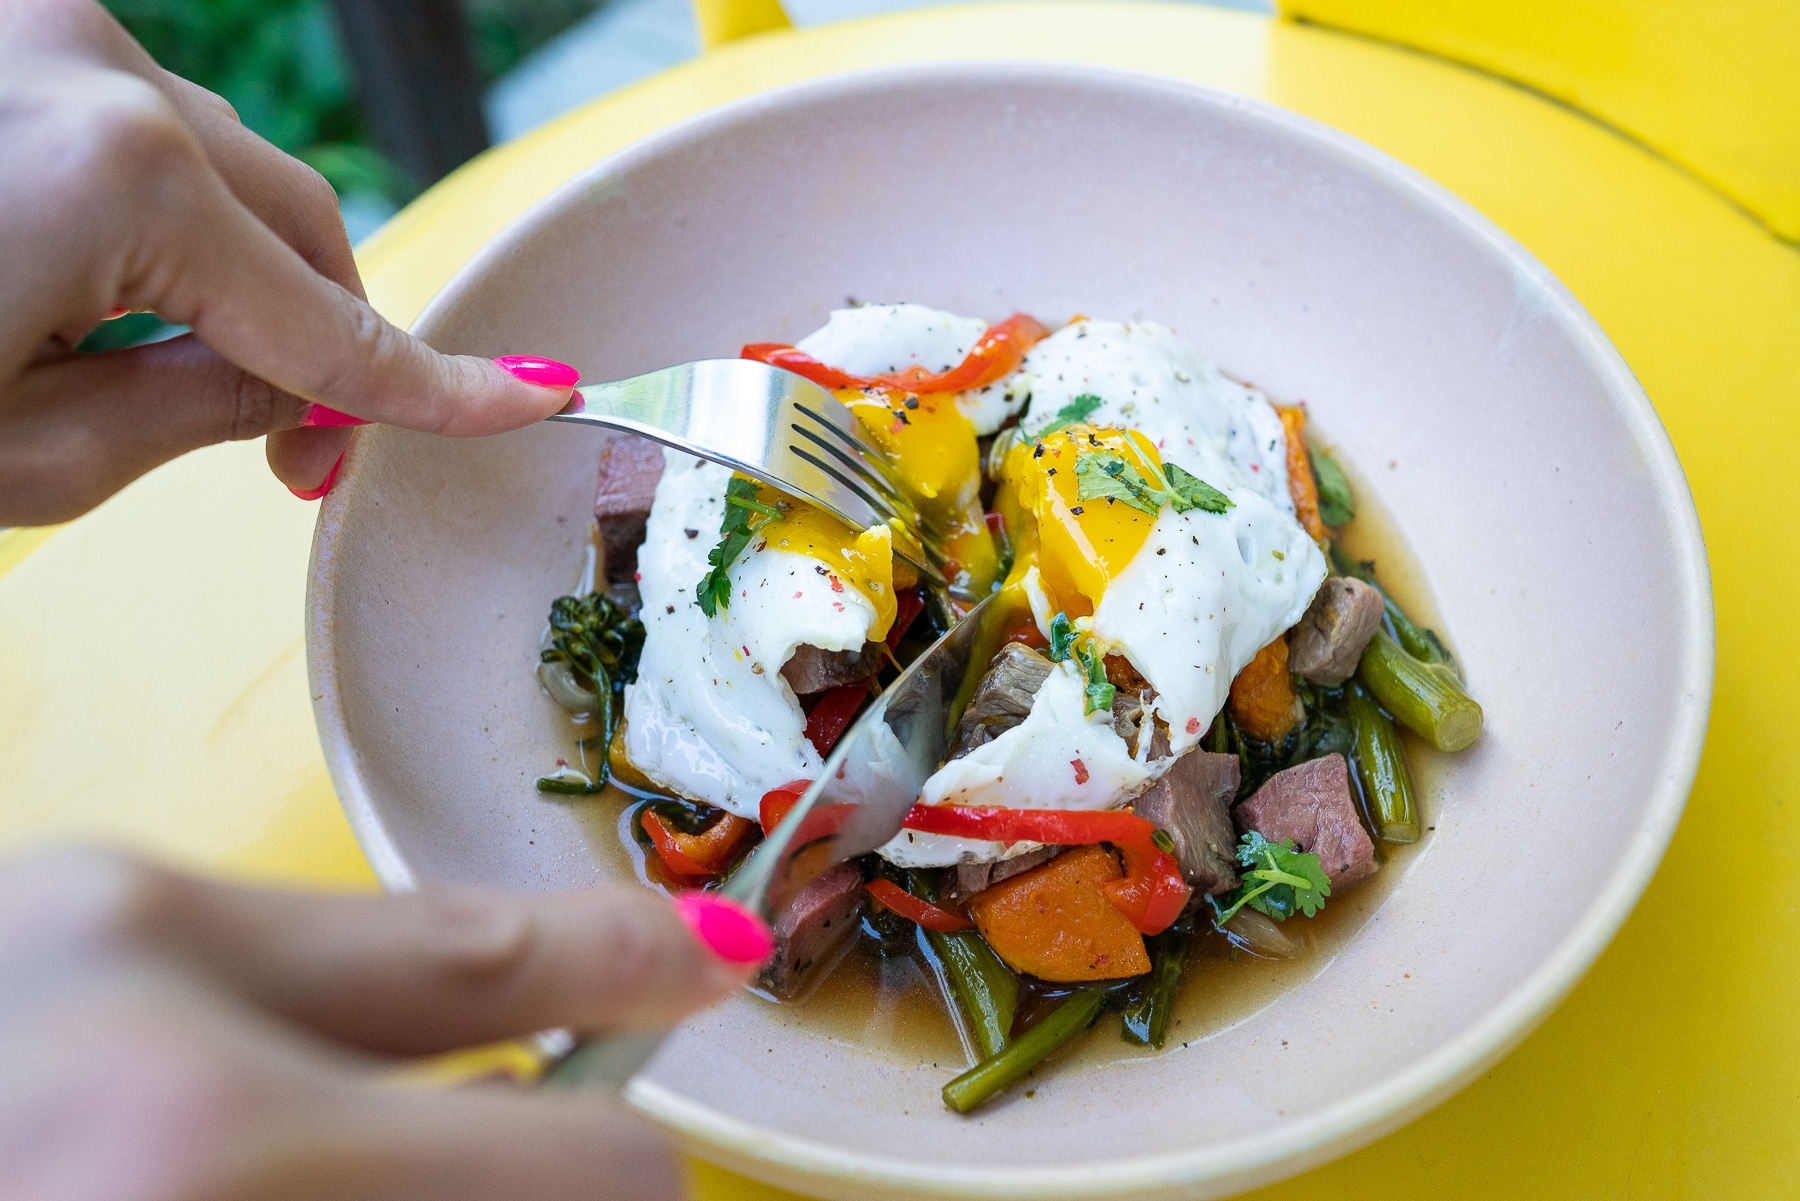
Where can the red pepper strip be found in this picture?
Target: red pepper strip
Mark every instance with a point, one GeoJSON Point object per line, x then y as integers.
{"type": "Point", "coordinates": [907, 607]}
{"type": "Point", "coordinates": [1151, 894]}
{"type": "Point", "coordinates": [832, 714]}
{"type": "Point", "coordinates": [704, 854]}
{"type": "Point", "coordinates": [911, 908]}
{"type": "Point", "coordinates": [779, 354]}
{"type": "Point", "coordinates": [777, 801]}
{"type": "Point", "coordinates": [995, 354]}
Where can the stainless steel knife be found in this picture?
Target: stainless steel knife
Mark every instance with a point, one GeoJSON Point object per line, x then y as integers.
{"type": "Point", "coordinates": [871, 780]}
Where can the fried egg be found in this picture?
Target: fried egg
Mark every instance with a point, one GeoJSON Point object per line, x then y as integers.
{"type": "Point", "coordinates": [710, 716]}
{"type": "Point", "coordinates": [1186, 598]}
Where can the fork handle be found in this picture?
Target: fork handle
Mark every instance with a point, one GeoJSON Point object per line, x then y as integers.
{"type": "Point", "coordinates": [605, 1064]}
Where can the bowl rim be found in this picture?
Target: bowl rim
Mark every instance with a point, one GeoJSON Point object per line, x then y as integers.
{"type": "Point", "coordinates": [1297, 1143]}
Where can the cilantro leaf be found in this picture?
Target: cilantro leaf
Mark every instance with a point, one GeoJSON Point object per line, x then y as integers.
{"type": "Point", "coordinates": [1278, 880]}
{"type": "Point", "coordinates": [1073, 413]}
{"type": "Point", "coordinates": [1100, 692]}
{"type": "Point", "coordinates": [1109, 475]}
{"type": "Point", "coordinates": [1105, 475]}
{"type": "Point", "coordinates": [1062, 637]}
{"type": "Point", "coordinates": [1337, 504]}
{"type": "Point", "coordinates": [1192, 492]}
{"type": "Point", "coordinates": [736, 528]}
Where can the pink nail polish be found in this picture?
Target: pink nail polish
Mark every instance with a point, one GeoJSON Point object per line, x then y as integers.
{"type": "Point", "coordinates": [546, 373]}
{"type": "Point", "coordinates": [322, 489]}
{"type": "Point", "coordinates": [320, 417]}
{"type": "Point", "coordinates": [729, 930]}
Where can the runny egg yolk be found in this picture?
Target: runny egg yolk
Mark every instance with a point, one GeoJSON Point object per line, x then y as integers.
{"type": "Point", "coordinates": [863, 561]}
{"type": "Point", "coordinates": [1078, 546]}
{"type": "Point", "coordinates": [934, 450]}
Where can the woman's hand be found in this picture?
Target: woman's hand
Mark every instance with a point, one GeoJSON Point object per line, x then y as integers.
{"type": "Point", "coordinates": [125, 187]}
{"type": "Point", "coordinates": [167, 1039]}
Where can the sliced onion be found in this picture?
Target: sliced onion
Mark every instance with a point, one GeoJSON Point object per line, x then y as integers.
{"type": "Point", "coordinates": [1260, 934]}
{"type": "Point", "coordinates": [558, 680]}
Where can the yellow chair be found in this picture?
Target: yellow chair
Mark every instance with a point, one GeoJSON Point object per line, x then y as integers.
{"type": "Point", "coordinates": [1715, 85]}
{"type": "Point", "coordinates": [178, 719]}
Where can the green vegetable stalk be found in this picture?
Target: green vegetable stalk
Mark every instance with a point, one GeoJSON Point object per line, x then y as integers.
{"type": "Point", "coordinates": [1381, 768]}
{"type": "Point", "coordinates": [1337, 503]}
{"type": "Point", "coordinates": [985, 987]}
{"type": "Point", "coordinates": [988, 1077]}
{"type": "Point", "coordinates": [1419, 642]}
{"type": "Point", "coordinates": [1426, 698]}
{"type": "Point", "coordinates": [1147, 1012]}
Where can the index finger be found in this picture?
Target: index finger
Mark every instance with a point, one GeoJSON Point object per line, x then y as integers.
{"type": "Point", "coordinates": [210, 264]}
{"type": "Point", "coordinates": [430, 971]}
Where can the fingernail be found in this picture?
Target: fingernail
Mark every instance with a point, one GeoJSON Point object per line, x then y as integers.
{"type": "Point", "coordinates": [729, 930]}
{"type": "Point", "coordinates": [546, 373]}
{"type": "Point", "coordinates": [322, 489]}
{"type": "Point", "coordinates": [320, 417]}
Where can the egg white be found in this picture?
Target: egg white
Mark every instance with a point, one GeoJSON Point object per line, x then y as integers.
{"type": "Point", "coordinates": [1033, 766]}
{"type": "Point", "coordinates": [710, 716]}
{"type": "Point", "coordinates": [1150, 380]}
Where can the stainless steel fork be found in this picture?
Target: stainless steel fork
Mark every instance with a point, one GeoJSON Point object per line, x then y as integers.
{"type": "Point", "coordinates": [774, 426]}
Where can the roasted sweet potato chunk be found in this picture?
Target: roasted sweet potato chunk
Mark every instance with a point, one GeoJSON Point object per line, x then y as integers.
{"type": "Point", "coordinates": [1053, 922]}
{"type": "Point", "coordinates": [1262, 697]}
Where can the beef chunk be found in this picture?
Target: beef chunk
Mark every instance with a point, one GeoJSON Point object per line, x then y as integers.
{"type": "Point", "coordinates": [813, 670]}
{"type": "Point", "coordinates": [959, 883]}
{"type": "Point", "coordinates": [1003, 698]}
{"type": "Point", "coordinates": [815, 931]}
{"type": "Point", "coordinates": [1329, 640]}
{"type": "Point", "coordinates": [1129, 712]}
{"type": "Point", "coordinates": [629, 470]}
{"type": "Point", "coordinates": [1311, 805]}
{"type": "Point", "coordinates": [1192, 801]}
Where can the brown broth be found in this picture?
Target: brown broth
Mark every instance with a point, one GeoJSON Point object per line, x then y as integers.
{"type": "Point", "coordinates": [895, 1003]}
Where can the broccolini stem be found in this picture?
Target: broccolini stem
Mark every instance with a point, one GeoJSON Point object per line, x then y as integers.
{"type": "Point", "coordinates": [1426, 698]}
{"type": "Point", "coordinates": [1057, 1027]}
{"type": "Point", "coordinates": [1381, 768]}
{"type": "Point", "coordinates": [1420, 643]}
{"type": "Point", "coordinates": [1147, 1013]}
{"type": "Point", "coordinates": [985, 987]}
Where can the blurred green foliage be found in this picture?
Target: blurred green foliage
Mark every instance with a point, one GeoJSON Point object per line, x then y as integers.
{"type": "Point", "coordinates": [281, 64]}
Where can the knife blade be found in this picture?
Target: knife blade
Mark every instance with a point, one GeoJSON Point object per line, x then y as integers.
{"type": "Point", "coordinates": [860, 800]}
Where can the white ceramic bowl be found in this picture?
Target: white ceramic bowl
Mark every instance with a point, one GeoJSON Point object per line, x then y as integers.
{"type": "Point", "coordinates": [1479, 403]}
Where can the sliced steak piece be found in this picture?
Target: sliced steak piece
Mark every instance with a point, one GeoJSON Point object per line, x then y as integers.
{"type": "Point", "coordinates": [1003, 698]}
{"type": "Point", "coordinates": [813, 670]}
{"type": "Point", "coordinates": [957, 884]}
{"type": "Point", "coordinates": [1192, 801]}
{"type": "Point", "coordinates": [629, 470]}
{"type": "Point", "coordinates": [1311, 805]}
{"type": "Point", "coordinates": [1329, 640]}
{"type": "Point", "coordinates": [1129, 712]}
{"type": "Point", "coordinates": [815, 931]}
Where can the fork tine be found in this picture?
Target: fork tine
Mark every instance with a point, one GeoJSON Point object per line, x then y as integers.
{"type": "Point", "coordinates": [878, 505]}
{"type": "Point", "coordinates": [870, 478]}
{"type": "Point", "coordinates": [861, 449]}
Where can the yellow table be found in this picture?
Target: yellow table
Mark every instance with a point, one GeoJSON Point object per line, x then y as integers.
{"type": "Point", "coordinates": [152, 688]}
